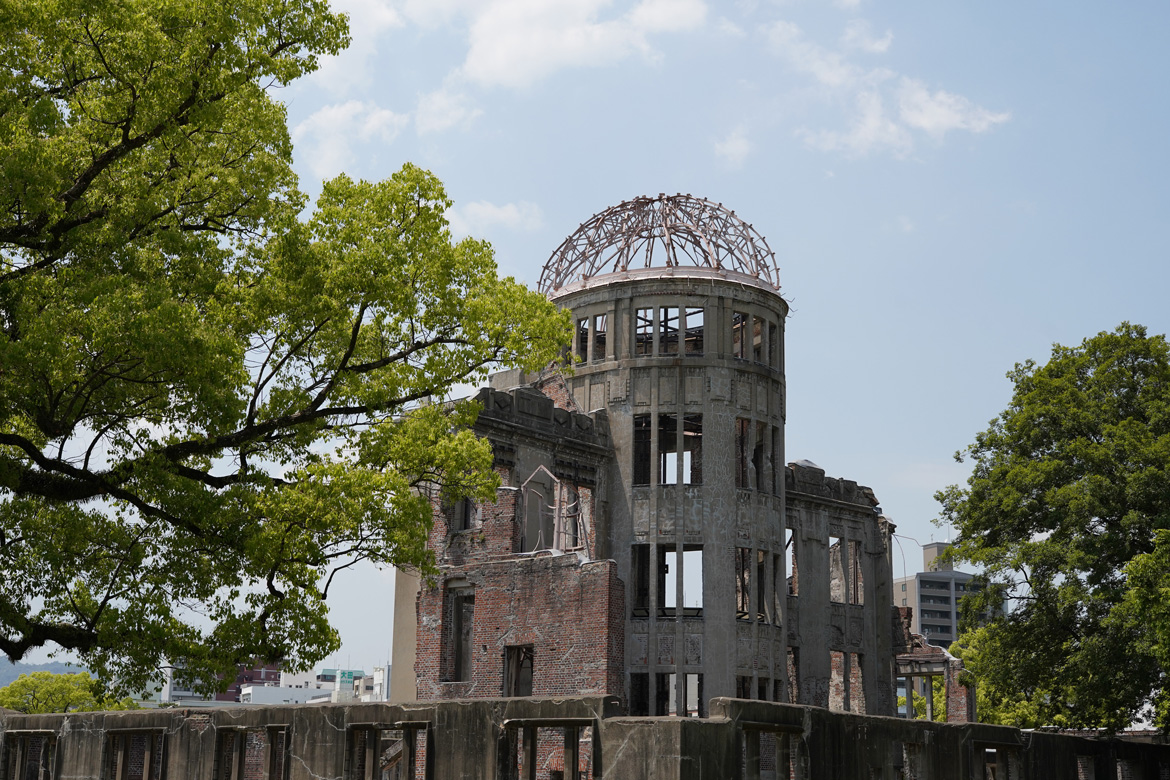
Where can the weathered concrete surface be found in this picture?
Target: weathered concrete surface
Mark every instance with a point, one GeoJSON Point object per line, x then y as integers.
{"type": "Point", "coordinates": [742, 740]}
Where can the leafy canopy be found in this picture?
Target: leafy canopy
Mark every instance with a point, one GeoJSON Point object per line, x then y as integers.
{"type": "Point", "coordinates": [208, 405]}
{"type": "Point", "coordinates": [1068, 509]}
{"type": "Point", "coordinates": [41, 692]}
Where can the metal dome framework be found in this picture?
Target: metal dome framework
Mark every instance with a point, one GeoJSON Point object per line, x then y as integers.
{"type": "Point", "coordinates": [663, 232]}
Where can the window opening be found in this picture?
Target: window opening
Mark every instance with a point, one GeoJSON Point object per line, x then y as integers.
{"type": "Point", "coordinates": [643, 331]}
{"type": "Point", "coordinates": [462, 614]}
{"type": "Point", "coordinates": [599, 321]}
{"type": "Point", "coordinates": [136, 756]}
{"type": "Point", "coordinates": [773, 344]}
{"type": "Point", "coordinates": [667, 449]}
{"type": "Point", "coordinates": [641, 449]}
{"type": "Point", "coordinates": [743, 582]}
{"type": "Point", "coordinates": [278, 751]}
{"type": "Point", "coordinates": [742, 430]}
{"type": "Point", "coordinates": [672, 602]}
{"type": "Point", "coordinates": [694, 694]}
{"type": "Point", "coordinates": [856, 581]}
{"type": "Point", "coordinates": [552, 513]}
{"type": "Point", "coordinates": [29, 756]}
{"type": "Point", "coordinates": [665, 597]}
{"type": "Point", "coordinates": [757, 339]}
{"type": "Point", "coordinates": [518, 662]}
{"type": "Point", "coordinates": [663, 694]}
{"type": "Point", "coordinates": [582, 339]}
{"type": "Point", "coordinates": [231, 754]}
{"type": "Point", "coordinates": [837, 564]}
{"type": "Point", "coordinates": [761, 585]}
{"type": "Point", "coordinates": [461, 515]}
{"type": "Point", "coordinates": [668, 330]}
{"type": "Point", "coordinates": [739, 322]}
{"type": "Point", "coordinates": [694, 331]}
{"type": "Point", "coordinates": [692, 580]}
{"type": "Point", "coordinates": [743, 687]}
{"type": "Point", "coordinates": [793, 571]}
{"type": "Point", "coordinates": [778, 587]}
{"type": "Point", "coordinates": [777, 475]}
{"type": "Point", "coordinates": [640, 562]}
{"type": "Point", "coordinates": [670, 598]}
{"type": "Point", "coordinates": [639, 693]}
{"type": "Point", "coordinates": [693, 449]}
{"type": "Point", "coordinates": [758, 450]}
{"type": "Point", "coordinates": [762, 689]}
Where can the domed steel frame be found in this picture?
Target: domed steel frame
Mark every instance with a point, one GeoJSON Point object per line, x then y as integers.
{"type": "Point", "coordinates": [677, 230]}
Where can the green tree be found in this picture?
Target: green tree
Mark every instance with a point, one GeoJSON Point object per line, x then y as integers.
{"type": "Point", "coordinates": [209, 406]}
{"type": "Point", "coordinates": [994, 704]}
{"type": "Point", "coordinates": [41, 692]}
{"type": "Point", "coordinates": [1071, 485]}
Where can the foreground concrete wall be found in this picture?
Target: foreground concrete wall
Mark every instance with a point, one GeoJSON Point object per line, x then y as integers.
{"type": "Point", "coordinates": [497, 738]}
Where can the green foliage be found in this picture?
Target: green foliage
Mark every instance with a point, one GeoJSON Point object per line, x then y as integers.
{"type": "Point", "coordinates": [1070, 490]}
{"type": "Point", "coordinates": [42, 692]}
{"type": "Point", "coordinates": [938, 702]}
{"type": "Point", "coordinates": [208, 405]}
{"type": "Point", "coordinates": [993, 703]}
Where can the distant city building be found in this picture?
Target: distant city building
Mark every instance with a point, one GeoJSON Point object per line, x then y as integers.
{"type": "Point", "coordinates": [934, 594]}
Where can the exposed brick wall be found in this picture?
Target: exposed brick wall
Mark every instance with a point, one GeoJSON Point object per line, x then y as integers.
{"type": "Point", "coordinates": [570, 612]}
{"type": "Point", "coordinates": [960, 698]}
{"type": "Point", "coordinates": [553, 385]}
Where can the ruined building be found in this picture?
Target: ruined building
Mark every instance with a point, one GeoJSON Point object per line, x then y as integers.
{"type": "Point", "coordinates": [649, 553]}
{"type": "Point", "coordinates": [649, 541]}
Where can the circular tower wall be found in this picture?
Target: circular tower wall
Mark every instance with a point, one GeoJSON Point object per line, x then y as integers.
{"type": "Point", "coordinates": [679, 335]}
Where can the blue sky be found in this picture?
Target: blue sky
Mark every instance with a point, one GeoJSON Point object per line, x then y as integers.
{"type": "Point", "coordinates": [949, 187]}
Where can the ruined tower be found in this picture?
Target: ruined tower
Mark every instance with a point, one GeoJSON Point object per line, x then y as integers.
{"type": "Point", "coordinates": [648, 531]}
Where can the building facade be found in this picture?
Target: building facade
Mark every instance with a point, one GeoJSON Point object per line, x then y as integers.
{"type": "Point", "coordinates": [935, 593]}
{"type": "Point", "coordinates": [649, 541]}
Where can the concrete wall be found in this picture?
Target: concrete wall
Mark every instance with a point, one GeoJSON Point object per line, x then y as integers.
{"type": "Point", "coordinates": [488, 738]}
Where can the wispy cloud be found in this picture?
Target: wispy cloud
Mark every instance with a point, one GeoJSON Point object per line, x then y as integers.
{"type": "Point", "coordinates": [939, 112]}
{"type": "Point", "coordinates": [369, 21]}
{"type": "Point", "coordinates": [734, 147]}
{"type": "Point", "coordinates": [872, 130]}
{"type": "Point", "coordinates": [443, 109]}
{"type": "Point", "coordinates": [326, 136]}
{"type": "Point", "coordinates": [858, 36]}
{"type": "Point", "coordinates": [518, 43]}
{"type": "Point", "coordinates": [884, 110]}
{"type": "Point", "coordinates": [479, 217]}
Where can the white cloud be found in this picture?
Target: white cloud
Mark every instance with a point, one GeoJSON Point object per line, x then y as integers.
{"type": "Point", "coordinates": [478, 217]}
{"type": "Point", "coordinates": [326, 136]}
{"type": "Point", "coordinates": [517, 43]}
{"type": "Point", "coordinates": [369, 20]}
{"type": "Point", "coordinates": [734, 148]}
{"type": "Point", "coordinates": [864, 94]}
{"type": "Point", "coordinates": [905, 224]}
{"type": "Point", "coordinates": [849, 4]}
{"type": "Point", "coordinates": [858, 36]}
{"type": "Point", "coordinates": [668, 15]}
{"type": "Point", "coordinates": [443, 109]}
{"type": "Point", "coordinates": [828, 67]}
{"type": "Point", "coordinates": [873, 130]}
{"type": "Point", "coordinates": [729, 28]}
{"type": "Point", "coordinates": [940, 112]}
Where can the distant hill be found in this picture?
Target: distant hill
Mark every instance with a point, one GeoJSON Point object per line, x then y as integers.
{"type": "Point", "coordinates": [10, 671]}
